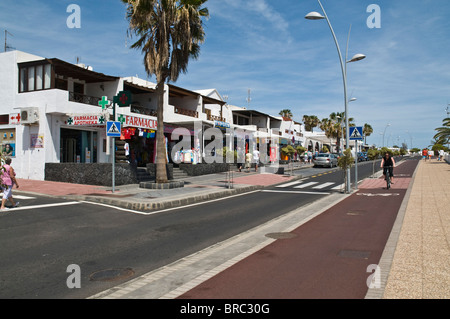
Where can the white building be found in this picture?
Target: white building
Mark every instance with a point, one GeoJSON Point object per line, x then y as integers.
{"type": "Point", "coordinates": [51, 112]}
{"type": "Point", "coordinates": [65, 122]}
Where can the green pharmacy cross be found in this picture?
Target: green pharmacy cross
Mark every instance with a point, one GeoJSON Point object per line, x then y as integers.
{"type": "Point", "coordinates": [104, 102]}
{"type": "Point", "coordinates": [123, 98]}
{"type": "Point", "coordinates": [121, 118]}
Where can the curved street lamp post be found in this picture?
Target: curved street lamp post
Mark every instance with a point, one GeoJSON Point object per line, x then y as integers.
{"type": "Point", "coordinates": [357, 57]}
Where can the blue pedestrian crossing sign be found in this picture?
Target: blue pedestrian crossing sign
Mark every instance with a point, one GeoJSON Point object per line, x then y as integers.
{"type": "Point", "coordinates": [113, 128]}
{"type": "Point", "coordinates": [356, 133]}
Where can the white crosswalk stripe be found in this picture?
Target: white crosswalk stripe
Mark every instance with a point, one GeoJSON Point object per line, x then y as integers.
{"type": "Point", "coordinates": [323, 185]}
{"type": "Point", "coordinates": [19, 196]}
{"type": "Point", "coordinates": [312, 185]}
{"type": "Point", "coordinates": [306, 185]}
{"type": "Point", "coordinates": [289, 184]}
{"type": "Point", "coordinates": [339, 187]}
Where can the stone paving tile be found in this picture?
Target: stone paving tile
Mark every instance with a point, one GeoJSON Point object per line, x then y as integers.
{"type": "Point", "coordinates": [421, 264]}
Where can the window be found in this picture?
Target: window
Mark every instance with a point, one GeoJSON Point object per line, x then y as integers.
{"type": "Point", "coordinates": [39, 71]}
{"type": "Point", "coordinates": [35, 77]}
{"type": "Point", "coordinates": [61, 84]}
{"type": "Point", "coordinates": [23, 80]}
{"type": "Point", "coordinates": [47, 76]}
{"type": "Point", "coordinates": [31, 79]}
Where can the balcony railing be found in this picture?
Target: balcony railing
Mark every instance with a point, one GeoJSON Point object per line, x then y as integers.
{"type": "Point", "coordinates": [215, 118]}
{"type": "Point", "coordinates": [85, 99]}
{"type": "Point", "coordinates": [181, 111]}
{"type": "Point", "coordinates": [142, 110]}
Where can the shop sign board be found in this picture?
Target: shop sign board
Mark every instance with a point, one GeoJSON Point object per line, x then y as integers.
{"type": "Point", "coordinates": [221, 125]}
{"type": "Point", "coordinates": [86, 119]}
{"type": "Point", "coordinates": [14, 118]}
{"type": "Point", "coordinates": [135, 121]}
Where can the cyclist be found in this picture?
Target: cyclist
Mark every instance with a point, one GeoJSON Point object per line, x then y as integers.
{"type": "Point", "coordinates": [388, 163]}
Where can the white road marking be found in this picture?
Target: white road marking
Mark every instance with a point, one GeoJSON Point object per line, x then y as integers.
{"type": "Point", "coordinates": [321, 186]}
{"type": "Point", "coordinates": [307, 185]}
{"type": "Point", "coordinates": [295, 192]}
{"type": "Point", "coordinates": [172, 208]}
{"type": "Point", "coordinates": [43, 206]}
{"type": "Point", "coordinates": [339, 187]}
{"type": "Point", "coordinates": [289, 184]}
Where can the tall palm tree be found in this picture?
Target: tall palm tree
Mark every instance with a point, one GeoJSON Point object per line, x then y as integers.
{"type": "Point", "coordinates": [338, 127]}
{"type": "Point", "coordinates": [367, 131]}
{"type": "Point", "coordinates": [169, 33]}
{"type": "Point", "coordinates": [310, 121]}
{"type": "Point", "coordinates": [286, 114]}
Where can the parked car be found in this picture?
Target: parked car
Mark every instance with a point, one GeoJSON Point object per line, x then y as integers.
{"type": "Point", "coordinates": [362, 157]}
{"type": "Point", "coordinates": [325, 160]}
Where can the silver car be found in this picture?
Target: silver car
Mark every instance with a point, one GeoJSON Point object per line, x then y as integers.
{"type": "Point", "coordinates": [325, 160]}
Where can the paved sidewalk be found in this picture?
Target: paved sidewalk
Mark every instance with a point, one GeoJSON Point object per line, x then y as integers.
{"type": "Point", "coordinates": [421, 264]}
{"type": "Point", "coordinates": [196, 189]}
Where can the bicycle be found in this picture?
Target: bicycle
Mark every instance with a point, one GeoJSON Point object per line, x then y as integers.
{"type": "Point", "coordinates": [387, 171]}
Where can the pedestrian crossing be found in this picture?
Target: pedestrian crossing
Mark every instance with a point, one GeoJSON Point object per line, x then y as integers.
{"type": "Point", "coordinates": [300, 184]}
{"type": "Point", "coordinates": [19, 196]}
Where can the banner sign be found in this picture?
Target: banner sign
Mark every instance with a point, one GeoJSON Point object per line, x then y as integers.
{"type": "Point", "coordinates": [86, 119]}
{"type": "Point", "coordinates": [135, 121]}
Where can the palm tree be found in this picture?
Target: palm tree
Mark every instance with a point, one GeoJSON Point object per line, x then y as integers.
{"type": "Point", "coordinates": [169, 33]}
{"type": "Point", "coordinates": [367, 131]}
{"type": "Point", "coordinates": [310, 121]}
{"type": "Point", "coordinates": [286, 114]}
{"type": "Point", "coordinates": [443, 132]}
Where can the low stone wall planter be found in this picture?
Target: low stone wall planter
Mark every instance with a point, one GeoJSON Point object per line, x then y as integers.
{"type": "Point", "coordinates": [169, 185]}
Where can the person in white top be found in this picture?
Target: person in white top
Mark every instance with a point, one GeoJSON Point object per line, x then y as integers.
{"type": "Point", "coordinates": [256, 158]}
{"type": "Point", "coordinates": [441, 155]}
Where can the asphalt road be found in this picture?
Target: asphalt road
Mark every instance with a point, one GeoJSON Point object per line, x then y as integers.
{"type": "Point", "coordinates": [46, 235]}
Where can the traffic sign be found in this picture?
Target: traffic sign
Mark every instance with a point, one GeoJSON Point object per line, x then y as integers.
{"type": "Point", "coordinates": [113, 128]}
{"type": "Point", "coordinates": [356, 133]}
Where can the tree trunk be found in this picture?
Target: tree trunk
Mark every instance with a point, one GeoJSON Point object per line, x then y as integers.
{"type": "Point", "coordinates": [161, 171]}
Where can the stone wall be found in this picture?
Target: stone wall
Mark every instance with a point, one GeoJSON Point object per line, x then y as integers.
{"type": "Point", "coordinates": [203, 168]}
{"type": "Point", "coordinates": [90, 173]}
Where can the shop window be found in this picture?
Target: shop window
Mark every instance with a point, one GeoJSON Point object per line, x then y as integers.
{"type": "Point", "coordinates": [78, 146]}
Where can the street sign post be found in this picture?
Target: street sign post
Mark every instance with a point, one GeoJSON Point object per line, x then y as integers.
{"type": "Point", "coordinates": [356, 134]}
{"type": "Point", "coordinates": [113, 128]}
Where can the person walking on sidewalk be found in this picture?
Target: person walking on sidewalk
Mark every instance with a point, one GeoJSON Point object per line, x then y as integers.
{"type": "Point", "coordinates": [248, 161]}
{"type": "Point", "coordinates": [388, 164]}
{"type": "Point", "coordinates": [8, 181]}
{"type": "Point", "coordinates": [256, 158]}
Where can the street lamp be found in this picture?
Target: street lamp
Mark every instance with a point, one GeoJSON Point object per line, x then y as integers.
{"type": "Point", "coordinates": [385, 132]}
{"type": "Point", "coordinates": [357, 57]}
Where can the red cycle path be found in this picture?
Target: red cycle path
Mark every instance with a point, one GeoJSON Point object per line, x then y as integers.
{"type": "Point", "coordinates": [328, 257]}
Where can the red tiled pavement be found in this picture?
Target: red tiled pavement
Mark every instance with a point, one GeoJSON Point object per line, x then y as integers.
{"type": "Point", "coordinates": [261, 179]}
{"type": "Point", "coordinates": [379, 183]}
{"type": "Point", "coordinates": [58, 188]}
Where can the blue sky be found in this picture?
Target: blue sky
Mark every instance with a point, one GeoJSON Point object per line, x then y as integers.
{"type": "Point", "coordinates": [286, 61]}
